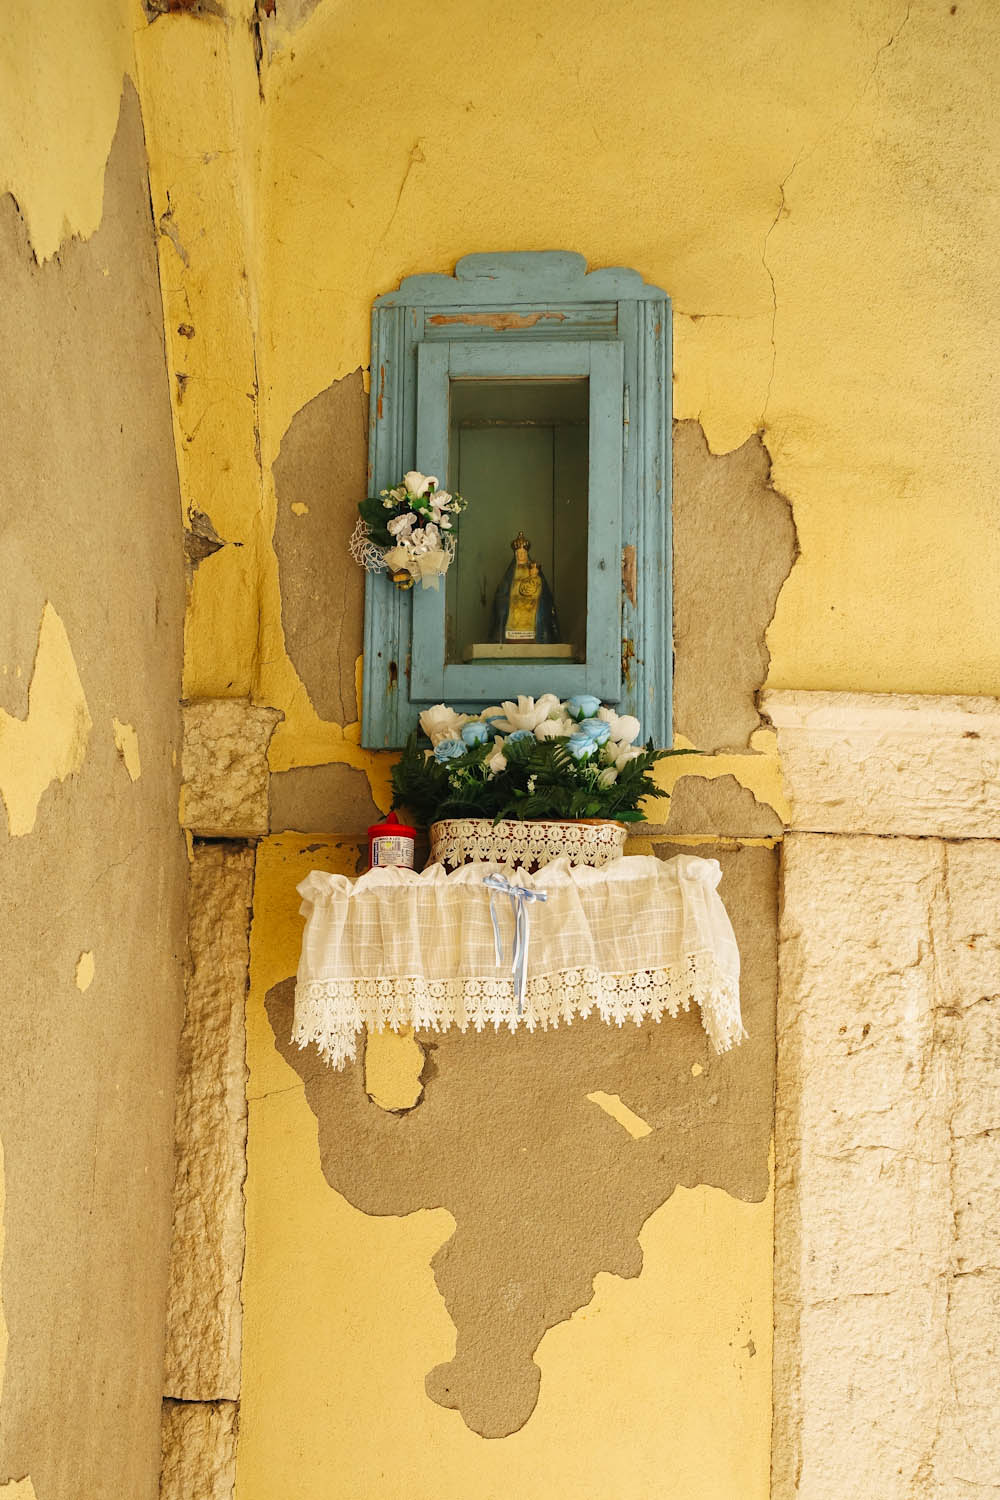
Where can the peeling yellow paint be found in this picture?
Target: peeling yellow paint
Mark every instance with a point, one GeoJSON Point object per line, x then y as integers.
{"type": "Point", "coordinates": [50, 743]}
{"type": "Point", "coordinates": [198, 88]}
{"type": "Point", "coordinates": [324, 1281]}
{"type": "Point", "coordinates": [393, 1064]}
{"type": "Point", "coordinates": [85, 972]}
{"type": "Point", "coordinates": [127, 745]}
{"type": "Point", "coordinates": [759, 772]}
{"type": "Point", "coordinates": [61, 71]}
{"type": "Point", "coordinates": [303, 738]}
{"type": "Point", "coordinates": [612, 1105]}
{"type": "Point", "coordinates": [696, 1070]}
{"type": "Point", "coordinates": [18, 1489]}
{"type": "Point", "coordinates": [299, 508]}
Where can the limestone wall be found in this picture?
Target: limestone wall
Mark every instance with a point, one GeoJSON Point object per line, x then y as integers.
{"type": "Point", "coordinates": [887, 1291]}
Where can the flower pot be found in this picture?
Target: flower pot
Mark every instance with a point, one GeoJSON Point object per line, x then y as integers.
{"type": "Point", "coordinates": [527, 844]}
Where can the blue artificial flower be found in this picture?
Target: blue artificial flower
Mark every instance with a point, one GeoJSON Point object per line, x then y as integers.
{"type": "Point", "coordinates": [580, 746]}
{"type": "Point", "coordinates": [475, 733]}
{"type": "Point", "coordinates": [596, 730]}
{"type": "Point", "coordinates": [583, 706]}
{"type": "Point", "coordinates": [449, 750]}
{"type": "Point", "coordinates": [521, 734]}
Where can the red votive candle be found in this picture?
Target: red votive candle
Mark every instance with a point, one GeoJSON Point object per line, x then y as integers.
{"type": "Point", "coordinates": [391, 843]}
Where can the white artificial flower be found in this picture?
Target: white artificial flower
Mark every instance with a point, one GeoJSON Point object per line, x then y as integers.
{"type": "Point", "coordinates": [496, 762]}
{"type": "Point", "coordinates": [624, 727]}
{"type": "Point", "coordinates": [553, 729]}
{"type": "Point", "coordinates": [625, 754]}
{"type": "Point", "coordinates": [418, 484]}
{"type": "Point", "coordinates": [445, 523]}
{"type": "Point", "coordinates": [424, 539]}
{"type": "Point", "coordinates": [440, 499]}
{"type": "Point", "coordinates": [442, 723]}
{"type": "Point", "coordinates": [526, 713]}
{"type": "Point", "coordinates": [608, 777]}
{"type": "Point", "coordinates": [401, 526]}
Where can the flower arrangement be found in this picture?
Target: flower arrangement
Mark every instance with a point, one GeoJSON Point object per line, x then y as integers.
{"type": "Point", "coordinates": [410, 530]}
{"type": "Point", "coordinates": [536, 758]}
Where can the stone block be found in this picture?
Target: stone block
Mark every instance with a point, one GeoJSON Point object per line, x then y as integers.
{"type": "Point", "coordinates": [199, 1450]}
{"type": "Point", "coordinates": [976, 1187]}
{"type": "Point", "coordinates": [224, 793]}
{"type": "Point", "coordinates": [204, 1314]}
{"type": "Point", "coordinates": [968, 1446]}
{"type": "Point", "coordinates": [887, 1292]}
{"type": "Point", "coordinates": [889, 763]}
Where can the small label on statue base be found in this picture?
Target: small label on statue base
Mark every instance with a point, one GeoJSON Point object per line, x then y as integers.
{"type": "Point", "coordinates": [531, 650]}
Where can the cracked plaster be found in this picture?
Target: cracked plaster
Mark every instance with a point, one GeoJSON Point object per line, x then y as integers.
{"type": "Point", "coordinates": [583, 1185]}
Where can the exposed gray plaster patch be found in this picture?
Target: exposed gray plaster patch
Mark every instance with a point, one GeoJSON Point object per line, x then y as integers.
{"type": "Point", "coordinates": [322, 799]}
{"type": "Point", "coordinates": [89, 521]}
{"type": "Point", "coordinates": [322, 470]}
{"type": "Point", "coordinates": [734, 546]}
{"type": "Point", "coordinates": [719, 805]}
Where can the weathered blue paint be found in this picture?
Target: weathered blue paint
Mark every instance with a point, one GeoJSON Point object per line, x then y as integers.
{"type": "Point", "coordinates": [529, 315]}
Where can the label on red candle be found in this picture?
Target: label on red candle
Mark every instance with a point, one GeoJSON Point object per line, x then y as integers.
{"type": "Point", "coordinates": [390, 849]}
{"type": "Point", "coordinates": [391, 843]}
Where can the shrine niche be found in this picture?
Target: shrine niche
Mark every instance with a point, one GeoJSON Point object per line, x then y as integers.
{"type": "Point", "coordinates": [539, 395]}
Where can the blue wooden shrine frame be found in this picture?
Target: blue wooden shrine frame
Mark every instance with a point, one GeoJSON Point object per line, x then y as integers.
{"type": "Point", "coordinates": [530, 315]}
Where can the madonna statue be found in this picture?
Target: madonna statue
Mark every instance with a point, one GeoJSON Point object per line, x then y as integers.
{"type": "Point", "coordinates": [524, 611]}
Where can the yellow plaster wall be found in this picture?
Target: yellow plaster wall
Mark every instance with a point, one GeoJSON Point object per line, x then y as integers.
{"type": "Point", "coordinates": [61, 70]}
{"type": "Point", "coordinates": [811, 184]}
{"type": "Point", "coordinates": [197, 83]}
{"type": "Point", "coordinates": [660, 1386]}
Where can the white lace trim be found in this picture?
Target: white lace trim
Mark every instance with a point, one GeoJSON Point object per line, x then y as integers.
{"type": "Point", "coordinates": [364, 551]}
{"type": "Point", "coordinates": [459, 841]}
{"type": "Point", "coordinates": [331, 1012]}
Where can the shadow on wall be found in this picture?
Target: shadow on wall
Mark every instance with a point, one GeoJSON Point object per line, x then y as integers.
{"type": "Point", "coordinates": [546, 1189]}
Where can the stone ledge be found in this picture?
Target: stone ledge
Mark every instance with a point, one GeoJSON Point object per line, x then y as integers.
{"type": "Point", "coordinates": [889, 763]}
{"type": "Point", "coordinates": [224, 793]}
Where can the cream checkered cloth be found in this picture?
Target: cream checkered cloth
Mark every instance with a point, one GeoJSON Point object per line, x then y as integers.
{"type": "Point", "coordinates": [632, 940]}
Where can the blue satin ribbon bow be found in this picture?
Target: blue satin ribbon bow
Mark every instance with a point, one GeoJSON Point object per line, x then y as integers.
{"type": "Point", "coordinates": [519, 897]}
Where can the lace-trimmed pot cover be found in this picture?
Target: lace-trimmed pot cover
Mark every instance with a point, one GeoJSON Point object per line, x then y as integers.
{"type": "Point", "coordinates": [637, 939]}
{"type": "Point", "coordinates": [528, 843]}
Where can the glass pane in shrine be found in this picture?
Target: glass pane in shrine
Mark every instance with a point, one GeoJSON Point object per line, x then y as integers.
{"type": "Point", "coordinates": [519, 454]}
